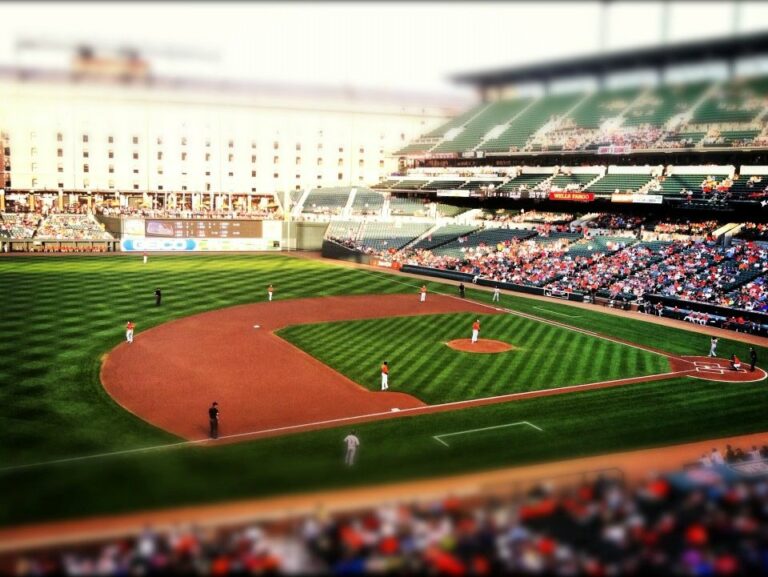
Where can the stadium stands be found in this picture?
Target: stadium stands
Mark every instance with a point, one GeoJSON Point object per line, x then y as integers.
{"type": "Point", "coordinates": [367, 202]}
{"type": "Point", "coordinates": [326, 200]}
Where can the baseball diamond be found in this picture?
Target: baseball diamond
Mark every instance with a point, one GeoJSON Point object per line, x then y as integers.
{"type": "Point", "coordinates": [333, 325]}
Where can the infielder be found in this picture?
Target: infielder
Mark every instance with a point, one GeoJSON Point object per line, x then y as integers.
{"type": "Point", "coordinates": [713, 347]}
{"type": "Point", "coordinates": [129, 331]}
{"type": "Point", "coordinates": [475, 330]}
{"type": "Point", "coordinates": [423, 293]}
{"type": "Point", "coordinates": [495, 294]}
{"type": "Point", "coordinates": [270, 290]}
{"type": "Point", "coordinates": [385, 376]}
{"type": "Point", "coordinates": [352, 444]}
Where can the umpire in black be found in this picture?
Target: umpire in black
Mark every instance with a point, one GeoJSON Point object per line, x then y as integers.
{"type": "Point", "coordinates": [752, 359]}
{"type": "Point", "coordinates": [213, 419]}
{"type": "Point", "coordinates": [158, 297]}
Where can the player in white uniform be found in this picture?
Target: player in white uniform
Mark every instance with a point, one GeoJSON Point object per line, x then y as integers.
{"type": "Point", "coordinates": [270, 290]}
{"type": "Point", "coordinates": [475, 330]}
{"type": "Point", "coordinates": [496, 294]}
{"type": "Point", "coordinates": [385, 376]}
{"type": "Point", "coordinates": [423, 293]}
{"type": "Point", "coordinates": [352, 444]}
{"type": "Point", "coordinates": [129, 331]}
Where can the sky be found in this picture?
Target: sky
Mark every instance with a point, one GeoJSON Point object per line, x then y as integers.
{"type": "Point", "coordinates": [398, 46]}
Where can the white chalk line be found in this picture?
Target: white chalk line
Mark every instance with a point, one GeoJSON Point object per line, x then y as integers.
{"type": "Point", "coordinates": [557, 313]}
{"type": "Point", "coordinates": [439, 438]}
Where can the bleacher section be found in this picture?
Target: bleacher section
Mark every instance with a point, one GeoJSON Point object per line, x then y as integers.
{"type": "Point", "coordinates": [387, 235]}
{"type": "Point", "coordinates": [661, 104]}
{"type": "Point", "coordinates": [541, 112]}
{"type": "Point", "coordinates": [405, 206]}
{"type": "Point", "coordinates": [601, 106]}
{"type": "Point", "coordinates": [443, 235]}
{"type": "Point", "coordinates": [474, 131]}
{"type": "Point", "coordinates": [443, 185]}
{"type": "Point", "coordinates": [454, 123]}
{"type": "Point", "coordinates": [450, 210]}
{"type": "Point", "coordinates": [367, 202]}
{"type": "Point", "coordinates": [489, 237]}
{"type": "Point", "coordinates": [610, 183]}
{"type": "Point", "coordinates": [524, 180]}
{"type": "Point", "coordinates": [675, 183]}
{"type": "Point", "coordinates": [326, 200]}
{"type": "Point", "coordinates": [738, 101]}
{"type": "Point", "coordinates": [563, 181]}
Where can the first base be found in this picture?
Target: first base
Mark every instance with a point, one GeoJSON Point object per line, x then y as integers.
{"type": "Point", "coordinates": [256, 326]}
{"type": "Point", "coordinates": [395, 409]}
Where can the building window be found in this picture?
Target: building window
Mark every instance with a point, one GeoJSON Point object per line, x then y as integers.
{"type": "Point", "coordinates": [159, 140]}
{"type": "Point", "coordinates": [319, 145]}
{"type": "Point", "coordinates": [253, 173]}
{"type": "Point", "coordinates": [253, 145]}
{"type": "Point", "coordinates": [230, 157]}
{"type": "Point", "coordinates": [85, 138]}
{"type": "Point", "coordinates": [59, 137]}
{"type": "Point", "coordinates": [402, 136]}
{"type": "Point", "coordinates": [86, 184]}
{"type": "Point", "coordinates": [86, 168]}
{"type": "Point", "coordinates": [135, 139]}
{"type": "Point", "coordinates": [111, 184]}
{"type": "Point", "coordinates": [360, 163]}
{"type": "Point", "coordinates": [231, 144]}
{"type": "Point", "coordinates": [298, 146]}
{"type": "Point", "coordinates": [111, 169]}
{"type": "Point", "coordinates": [61, 185]}
{"type": "Point", "coordinates": [159, 155]}
{"type": "Point", "coordinates": [341, 176]}
{"type": "Point", "coordinates": [135, 155]}
{"type": "Point", "coordinates": [298, 177]}
{"type": "Point", "coordinates": [207, 187]}
{"type": "Point", "coordinates": [253, 159]}
{"type": "Point", "coordinates": [85, 154]}
{"type": "Point", "coordinates": [207, 173]}
{"type": "Point", "coordinates": [184, 141]}
{"type": "Point", "coordinates": [135, 186]}
{"type": "Point", "coordinates": [253, 189]}
{"type": "Point", "coordinates": [34, 183]}
{"type": "Point", "coordinates": [111, 154]}
{"type": "Point", "coordinates": [230, 174]}
{"type": "Point", "coordinates": [207, 157]}
{"type": "Point", "coordinates": [275, 145]}
{"type": "Point", "coordinates": [60, 168]}
{"type": "Point", "coordinates": [319, 162]}
{"type": "Point", "coordinates": [362, 150]}
{"type": "Point", "coordinates": [60, 152]}
{"type": "Point", "coordinates": [276, 160]}
{"type": "Point", "coordinates": [34, 167]}
{"type": "Point", "coordinates": [340, 162]}
{"type": "Point", "coordinates": [381, 164]}
{"type": "Point", "coordinates": [159, 187]}
{"type": "Point", "coordinates": [110, 139]}
{"type": "Point", "coordinates": [298, 161]}
{"type": "Point", "coordinates": [184, 187]}
{"type": "Point", "coordinates": [319, 177]}
{"type": "Point", "coordinates": [184, 156]}
{"type": "Point", "coordinates": [135, 171]}
{"type": "Point", "coordinates": [207, 142]}
{"type": "Point", "coordinates": [276, 175]}
{"type": "Point", "coordinates": [360, 178]}
{"type": "Point", "coordinates": [159, 170]}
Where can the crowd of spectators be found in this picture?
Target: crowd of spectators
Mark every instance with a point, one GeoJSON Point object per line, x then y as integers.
{"type": "Point", "coordinates": [71, 227]}
{"type": "Point", "coordinates": [686, 227]}
{"type": "Point", "coordinates": [615, 221]}
{"type": "Point", "coordinates": [19, 225]}
{"type": "Point", "coordinates": [706, 520]}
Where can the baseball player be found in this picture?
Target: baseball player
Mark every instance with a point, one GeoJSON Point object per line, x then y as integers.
{"type": "Point", "coordinates": [752, 359]}
{"type": "Point", "coordinates": [496, 294]}
{"type": "Point", "coordinates": [713, 347]}
{"type": "Point", "coordinates": [352, 444]}
{"type": "Point", "coordinates": [423, 293]}
{"type": "Point", "coordinates": [129, 331]}
{"type": "Point", "coordinates": [385, 376]}
{"type": "Point", "coordinates": [270, 290]}
{"type": "Point", "coordinates": [735, 362]}
{"type": "Point", "coordinates": [145, 258]}
{"type": "Point", "coordinates": [475, 330]}
{"type": "Point", "coordinates": [213, 420]}
{"type": "Point", "coordinates": [158, 297]}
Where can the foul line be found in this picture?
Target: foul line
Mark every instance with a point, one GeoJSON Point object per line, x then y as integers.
{"type": "Point", "coordinates": [439, 439]}
{"type": "Point", "coordinates": [425, 408]}
{"type": "Point", "coordinates": [557, 313]}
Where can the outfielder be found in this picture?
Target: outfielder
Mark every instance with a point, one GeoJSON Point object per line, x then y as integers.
{"type": "Point", "coordinates": [270, 290]}
{"type": "Point", "coordinates": [423, 293]}
{"type": "Point", "coordinates": [352, 444]}
{"type": "Point", "coordinates": [129, 331]}
{"type": "Point", "coordinates": [475, 330]}
{"type": "Point", "coordinates": [495, 294]}
{"type": "Point", "coordinates": [385, 376]}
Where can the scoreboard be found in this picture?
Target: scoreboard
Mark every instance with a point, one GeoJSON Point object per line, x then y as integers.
{"type": "Point", "coordinates": [197, 228]}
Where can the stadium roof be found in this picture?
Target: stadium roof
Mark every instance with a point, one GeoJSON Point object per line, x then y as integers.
{"type": "Point", "coordinates": [697, 52]}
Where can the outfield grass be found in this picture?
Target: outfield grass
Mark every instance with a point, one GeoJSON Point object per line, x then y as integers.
{"type": "Point", "coordinates": [62, 314]}
{"type": "Point", "coordinates": [421, 364]}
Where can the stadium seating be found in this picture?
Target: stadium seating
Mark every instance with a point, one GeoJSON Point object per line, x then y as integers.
{"type": "Point", "coordinates": [738, 101]}
{"type": "Point", "coordinates": [524, 181]}
{"type": "Point", "coordinates": [610, 183]}
{"type": "Point", "coordinates": [367, 202]}
{"type": "Point", "coordinates": [571, 181]}
{"type": "Point", "coordinates": [443, 184]}
{"type": "Point", "coordinates": [71, 227]}
{"type": "Point", "coordinates": [473, 132]}
{"type": "Point", "coordinates": [443, 235]}
{"type": "Point", "coordinates": [601, 106]}
{"type": "Point", "coordinates": [455, 122]}
{"type": "Point", "coordinates": [448, 210]}
{"type": "Point", "coordinates": [406, 206]}
{"type": "Point", "coordinates": [379, 236]}
{"type": "Point", "coordinates": [664, 102]}
{"type": "Point", "coordinates": [326, 200]}
{"type": "Point", "coordinates": [520, 130]}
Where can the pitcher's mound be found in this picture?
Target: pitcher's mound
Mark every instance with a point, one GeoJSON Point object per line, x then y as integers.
{"type": "Point", "coordinates": [481, 346]}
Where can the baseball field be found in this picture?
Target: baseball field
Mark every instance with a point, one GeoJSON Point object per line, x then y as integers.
{"type": "Point", "coordinates": [97, 426]}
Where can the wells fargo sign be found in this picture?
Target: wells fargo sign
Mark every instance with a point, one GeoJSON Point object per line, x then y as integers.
{"type": "Point", "coordinates": [572, 196]}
